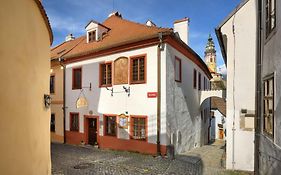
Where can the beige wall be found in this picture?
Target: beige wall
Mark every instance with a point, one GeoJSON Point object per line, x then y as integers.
{"type": "Point", "coordinates": [57, 104]}
{"type": "Point", "coordinates": [24, 74]}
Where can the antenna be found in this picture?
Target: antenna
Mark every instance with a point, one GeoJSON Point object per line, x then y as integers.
{"type": "Point", "coordinates": [112, 5]}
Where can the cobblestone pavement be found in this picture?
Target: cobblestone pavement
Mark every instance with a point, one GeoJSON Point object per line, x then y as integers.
{"type": "Point", "coordinates": [213, 159]}
{"type": "Point", "coordinates": [88, 160]}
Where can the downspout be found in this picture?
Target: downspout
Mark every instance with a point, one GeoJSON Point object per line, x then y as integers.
{"type": "Point", "coordinates": [61, 60]}
{"type": "Point", "coordinates": [258, 87]}
{"type": "Point", "coordinates": [159, 49]}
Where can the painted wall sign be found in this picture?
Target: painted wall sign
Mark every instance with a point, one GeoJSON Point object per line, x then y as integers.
{"type": "Point", "coordinates": [123, 121]}
{"type": "Point", "coordinates": [152, 94]}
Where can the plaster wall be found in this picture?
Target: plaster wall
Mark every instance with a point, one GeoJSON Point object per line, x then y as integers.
{"type": "Point", "coordinates": [25, 69]}
{"type": "Point", "coordinates": [101, 102]}
{"type": "Point", "coordinates": [270, 148]}
{"type": "Point", "coordinates": [186, 128]}
{"type": "Point", "coordinates": [57, 105]}
{"type": "Point", "coordinates": [218, 120]}
{"type": "Point", "coordinates": [241, 59]}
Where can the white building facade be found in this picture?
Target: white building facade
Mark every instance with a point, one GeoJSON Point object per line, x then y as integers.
{"type": "Point", "coordinates": [134, 89]}
{"type": "Point", "coordinates": [237, 38]}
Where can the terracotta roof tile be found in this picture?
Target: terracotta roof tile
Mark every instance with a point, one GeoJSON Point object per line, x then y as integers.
{"type": "Point", "coordinates": [64, 48]}
{"type": "Point", "coordinates": [121, 32]}
{"type": "Point", "coordinates": [218, 103]}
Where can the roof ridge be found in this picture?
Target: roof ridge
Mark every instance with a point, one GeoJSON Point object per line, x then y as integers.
{"type": "Point", "coordinates": [137, 23]}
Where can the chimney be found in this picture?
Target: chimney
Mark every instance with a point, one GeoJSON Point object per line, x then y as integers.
{"type": "Point", "coordinates": [69, 37]}
{"type": "Point", "coordinates": [181, 27]}
{"type": "Point", "coordinates": [116, 13]}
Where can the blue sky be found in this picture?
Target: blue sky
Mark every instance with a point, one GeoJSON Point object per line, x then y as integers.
{"type": "Point", "coordinates": [71, 16]}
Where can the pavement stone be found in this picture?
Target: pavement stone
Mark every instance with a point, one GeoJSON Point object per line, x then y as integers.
{"type": "Point", "coordinates": [89, 160]}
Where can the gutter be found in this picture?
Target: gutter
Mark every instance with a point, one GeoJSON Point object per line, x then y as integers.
{"type": "Point", "coordinates": [258, 87]}
{"type": "Point", "coordinates": [220, 40]}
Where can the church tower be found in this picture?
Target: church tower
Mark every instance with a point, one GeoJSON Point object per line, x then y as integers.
{"type": "Point", "coordinates": [210, 55]}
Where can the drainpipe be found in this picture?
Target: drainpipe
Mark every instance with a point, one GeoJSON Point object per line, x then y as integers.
{"type": "Point", "coordinates": [258, 87]}
{"type": "Point", "coordinates": [61, 60]}
{"type": "Point", "coordinates": [159, 49]}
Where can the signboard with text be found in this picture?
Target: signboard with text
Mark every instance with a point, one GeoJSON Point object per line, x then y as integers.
{"type": "Point", "coordinates": [152, 94]}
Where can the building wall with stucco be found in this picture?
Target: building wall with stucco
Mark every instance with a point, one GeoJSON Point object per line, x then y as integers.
{"type": "Point", "coordinates": [241, 59]}
{"type": "Point", "coordinates": [57, 103]}
{"type": "Point", "coordinates": [25, 67]}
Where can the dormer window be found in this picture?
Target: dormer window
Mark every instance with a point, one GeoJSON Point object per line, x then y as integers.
{"type": "Point", "coordinates": [92, 36]}
{"type": "Point", "coordinates": [95, 31]}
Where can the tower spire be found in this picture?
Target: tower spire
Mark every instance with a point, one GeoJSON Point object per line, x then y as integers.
{"type": "Point", "coordinates": [210, 55]}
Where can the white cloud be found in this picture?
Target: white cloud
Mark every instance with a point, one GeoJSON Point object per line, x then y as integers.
{"type": "Point", "coordinates": [222, 69]}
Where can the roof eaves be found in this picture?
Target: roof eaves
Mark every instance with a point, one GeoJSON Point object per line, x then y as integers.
{"type": "Point", "coordinates": [96, 23]}
{"type": "Point", "coordinates": [194, 53]}
{"type": "Point", "coordinates": [237, 8]}
{"type": "Point", "coordinates": [46, 19]}
{"type": "Point", "coordinates": [218, 29]}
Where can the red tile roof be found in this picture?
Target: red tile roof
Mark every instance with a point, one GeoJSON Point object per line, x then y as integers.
{"type": "Point", "coordinates": [219, 103]}
{"type": "Point", "coordinates": [122, 33]}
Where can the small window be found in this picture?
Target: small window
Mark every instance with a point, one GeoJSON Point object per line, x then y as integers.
{"type": "Point", "coordinates": [268, 111]}
{"type": "Point", "coordinates": [137, 67]}
{"type": "Point", "coordinates": [199, 81]}
{"type": "Point", "coordinates": [194, 79]}
{"type": "Point", "coordinates": [110, 125]}
{"type": "Point", "coordinates": [52, 84]}
{"type": "Point", "coordinates": [74, 122]}
{"type": "Point", "coordinates": [53, 123]}
{"type": "Point", "coordinates": [138, 127]}
{"type": "Point", "coordinates": [77, 78]}
{"type": "Point", "coordinates": [92, 36]}
{"type": "Point", "coordinates": [105, 74]}
{"type": "Point", "coordinates": [205, 84]}
{"type": "Point", "coordinates": [177, 69]}
{"type": "Point", "coordinates": [270, 18]}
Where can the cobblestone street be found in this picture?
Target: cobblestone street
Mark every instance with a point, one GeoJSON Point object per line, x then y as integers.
{"type": "Point", "coordinates": [76, 160]}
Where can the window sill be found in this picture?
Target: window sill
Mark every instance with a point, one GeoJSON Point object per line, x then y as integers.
{"type": "Point", "coordinates": [268, 38]}
{"type": "Point", "coordinates": [110, 135]}
{"type": "Point", "coordinates": [138, 82]}
{"type": "Point", "coordinates": [140, 140]}
{"type": "Point", "coordinates": [109, 85]}
{"type": "Point", "coordinates": [76, 88]}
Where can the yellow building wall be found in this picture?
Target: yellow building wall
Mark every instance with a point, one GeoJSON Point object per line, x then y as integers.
{"type": "Point", "coordinates": [57, 104]}
{"type": "Point", "coordinates": [24, 75]}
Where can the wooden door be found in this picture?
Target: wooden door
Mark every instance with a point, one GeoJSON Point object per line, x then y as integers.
{"type": "Point", "coordinates": [221, 133]}
{"type": "Point", "coordinates": [92, 125]}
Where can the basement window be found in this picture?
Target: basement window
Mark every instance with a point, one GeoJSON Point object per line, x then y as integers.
{"type": "Point", "coordinates": [138, 125]}
{"type": "Point", "coordinates": [268, 102]}
{"type": "Point", "coordinates": [74, 122]}
{"type": "Point", "coordinates": [110, 125]}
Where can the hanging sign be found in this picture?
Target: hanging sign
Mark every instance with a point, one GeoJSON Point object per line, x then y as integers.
{"type": "Point", "coordinates": [152, 94]}
{"type": "Point", "coordinates": [81, 102]}
{"type": "Point", "coordinates": [123, 121]}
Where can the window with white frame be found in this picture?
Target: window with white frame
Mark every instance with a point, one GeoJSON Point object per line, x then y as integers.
{"type": "Point", "coordinates": [268, 104]}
